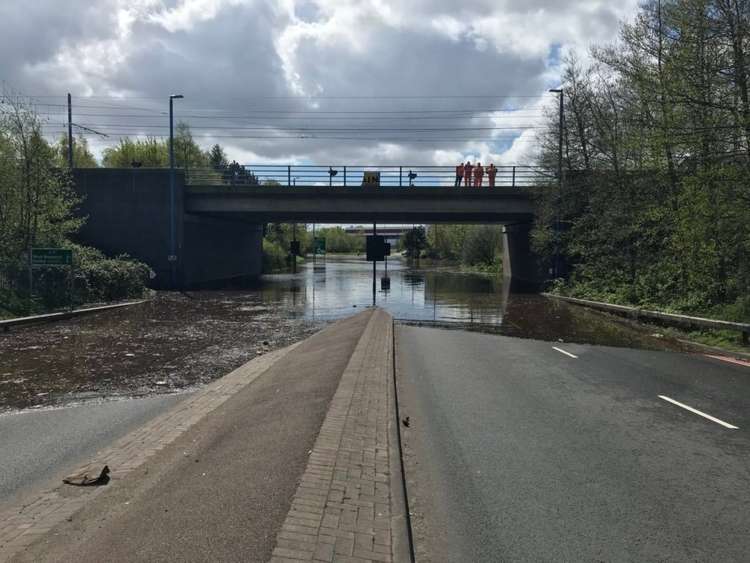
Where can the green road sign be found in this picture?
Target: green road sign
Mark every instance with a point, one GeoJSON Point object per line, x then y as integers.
{"type": "Point", "coordinates": [51, 257]}
{"type": "Point", "coordinates": [319, 246]}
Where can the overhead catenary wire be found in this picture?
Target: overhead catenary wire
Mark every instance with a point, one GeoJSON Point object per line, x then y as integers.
{"type": "Point", "coordinates": [326, 129]}
{"type": "Point", "coordinates": [293, 124]}
{"type": "Point", "coordinates": [319, 97]}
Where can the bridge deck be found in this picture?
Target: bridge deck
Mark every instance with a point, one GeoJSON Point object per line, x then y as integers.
{"type": "Point", "coordinates": [359, 204]}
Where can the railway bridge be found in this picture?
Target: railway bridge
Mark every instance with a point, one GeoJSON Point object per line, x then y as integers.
{"type": "Point", "coordinates": [215, 217]}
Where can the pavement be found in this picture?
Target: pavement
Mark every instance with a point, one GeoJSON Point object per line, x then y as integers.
{"type": "Point", "coordinates": [38, 445]}
{"type": "Point", "coordinates": [221, 476]}
{"type": "Point", "coordinates": [349, 505]}
{"type": "Point", "coordinates": [522, 450]}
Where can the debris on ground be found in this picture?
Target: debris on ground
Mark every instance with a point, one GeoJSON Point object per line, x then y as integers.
{"type": "Point", "coordinates": [89, 477]}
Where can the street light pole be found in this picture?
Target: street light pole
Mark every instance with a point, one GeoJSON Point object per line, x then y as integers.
{"type": "Point", "coordinates": [70, 133]}
{"type": "Point", "coordinates": [374, 269]}
{"type": "Point", "coordinates": [559, 179]}
{"type": "Point", "coordinates": [172, 221]}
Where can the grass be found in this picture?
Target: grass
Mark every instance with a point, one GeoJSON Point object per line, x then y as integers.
{"type": "Point", "coordinates": [724, 339]}
{"type": "Point", "coordinates": [728, 340]}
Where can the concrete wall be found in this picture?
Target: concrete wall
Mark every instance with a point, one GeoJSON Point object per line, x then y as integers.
{"type": "Point", "coordinates": [520, 265]}
{"type": "Point", "coordinates": [128, 211]}
{"type": "Point", "coordinates": [220, 249]}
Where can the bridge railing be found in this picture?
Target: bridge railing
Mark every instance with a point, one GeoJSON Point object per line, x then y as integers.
{"type": "Point", "coordinates": [354, 176]}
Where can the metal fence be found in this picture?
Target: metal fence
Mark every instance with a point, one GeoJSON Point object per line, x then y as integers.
{"type": "Point", "coordinates": [356, 176]}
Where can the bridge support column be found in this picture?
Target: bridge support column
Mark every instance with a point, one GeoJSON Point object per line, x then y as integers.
{"type": "Point", "coordinates": [128, 211]}
{"type": "Point", "coordinates": [520, 264]}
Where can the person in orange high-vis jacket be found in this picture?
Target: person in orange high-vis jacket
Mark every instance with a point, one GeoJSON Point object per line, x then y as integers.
{"type": "Point", "coordinates": [491, 173]}
{"type": "Point", "coordinates": [468, 167]}
{"type": "Point", "coordinates": [459, 175]}
{"type": "Point", "coordinates": [478, 175]}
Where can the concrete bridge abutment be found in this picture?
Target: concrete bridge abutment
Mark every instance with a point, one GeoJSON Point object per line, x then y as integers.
{"type": "Point", "coordinates": [128, 211]}
{"type": "Point", "coordinates": [521, 266]}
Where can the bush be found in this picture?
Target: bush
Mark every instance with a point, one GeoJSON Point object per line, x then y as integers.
{"type": "Point", "coordinates": [482, 246]}
{"type": "Point", "coordinates": [111, 279]}
{"type": "Point", "coordinates": [96, 278]}
{"type": "Point", "coordinates": [274, 256]}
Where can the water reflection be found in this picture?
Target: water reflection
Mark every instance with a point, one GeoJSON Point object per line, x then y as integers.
{"type": "Point", "coordinates": [330, 289]}
{"type": "Point", "coordinates": [337, 287]}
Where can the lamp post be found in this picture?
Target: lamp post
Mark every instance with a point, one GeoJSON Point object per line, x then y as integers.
{"type": "Point", "coordinates": [559, 181]}
{"type": "Point", "coordinates": [172, 235]}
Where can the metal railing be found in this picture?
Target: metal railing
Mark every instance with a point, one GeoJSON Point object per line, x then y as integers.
{"type": "Point", "coordinates": [357, 176]}
{"type": "Point", "coordinates": [667, 318]}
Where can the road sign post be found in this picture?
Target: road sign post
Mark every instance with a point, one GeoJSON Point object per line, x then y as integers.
{"type": "Point", "coordinates": [319, 246]}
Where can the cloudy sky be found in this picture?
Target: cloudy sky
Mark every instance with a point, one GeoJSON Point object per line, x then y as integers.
{"type": "Point", "coordinates": [310, 81]}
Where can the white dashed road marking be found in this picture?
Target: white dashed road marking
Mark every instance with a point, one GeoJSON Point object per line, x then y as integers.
{"type": "Point", "coordinates": [564, 352]}
{"type": "Point", "coordinates": [699, 413]}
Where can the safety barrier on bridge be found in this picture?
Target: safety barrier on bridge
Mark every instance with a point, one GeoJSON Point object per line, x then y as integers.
{"type": "Point", "coordinates": [356, 176]}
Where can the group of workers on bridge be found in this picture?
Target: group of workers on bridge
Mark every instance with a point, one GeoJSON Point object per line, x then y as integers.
{"type": "Point", "coordinates": [464, 173]}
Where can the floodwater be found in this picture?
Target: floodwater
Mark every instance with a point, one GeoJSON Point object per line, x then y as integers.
{"type": "Point", "coordinates": [328, 289]}
{"type": "Point", "coordinates": [177, 341]}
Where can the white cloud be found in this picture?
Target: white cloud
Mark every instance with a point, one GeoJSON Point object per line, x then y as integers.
{"type": "Point", "coordinates": [254, 57]}
{"type": "Point", "coordinates": [189, 13]}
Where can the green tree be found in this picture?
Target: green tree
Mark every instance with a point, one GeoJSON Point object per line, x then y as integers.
{"type": "Point", "coordinates": [187, 153]}
{"type": "Point", "coordinates": [149, 153]}
{"type": "Point", "coordinates": [339, 241]}
{"type": "Point", "coordinates": [446, 242]}
{"type": "Point", "coordinates": [37, 202]}
{"type": "Point", "coordinates": [154, 153]}
{"type": "Point", "coordinates": [654, 206]}
{"type": "Point", "coordinates": [82, 157]}
{"type": "Point", "coordinates": [218, 158]}
{"type": "Point", "coordinates": [36, 197]}
{"type": "Point", "coordinates": [482, 246]}
{"type": "Point", "coordinates": [283, 234]}
{"type": "Point", "coordinates": [415, 241]}
{"type": "Point", "coordinates": [474, 246]}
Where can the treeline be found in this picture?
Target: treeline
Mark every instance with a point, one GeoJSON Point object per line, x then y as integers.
{"type": "Point", "coordinates": [654, 206]}
{"type": "Point", "coordinates": [278, 236]}
{"type": "Point", "coordinates": [37, 202]}
{"type": "Point", "coordinates": [149, 152]}
{"type": "Point", "coordinates": [152, 152]}
{"type": "Point", "coordinates": [475, 247]}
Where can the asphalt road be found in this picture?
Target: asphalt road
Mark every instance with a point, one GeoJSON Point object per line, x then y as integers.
{"type": "Point", "coordinates": [221, 490]}
{"type": "Point", "coordinates": [38, 447]}
{"type": "Point", "coordinates": [516, 451]}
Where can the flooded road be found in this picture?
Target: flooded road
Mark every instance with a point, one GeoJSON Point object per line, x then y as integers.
{"type": "Point", "coordinates": [179, 340]}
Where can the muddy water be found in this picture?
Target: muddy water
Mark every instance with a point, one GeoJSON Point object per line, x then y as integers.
{"type": "Point", "coordinates": [178, 341]}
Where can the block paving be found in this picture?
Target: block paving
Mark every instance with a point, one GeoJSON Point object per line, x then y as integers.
{"type": "Point", "coordinates": [343, 507]}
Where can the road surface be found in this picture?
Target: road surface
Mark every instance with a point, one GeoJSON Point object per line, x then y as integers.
{"type": "Point", "coordinates": [522, 450]}
{"type": "Point", "coordinates": [39, 446]}
{"type": "Point", "coordinates": [221, 490]}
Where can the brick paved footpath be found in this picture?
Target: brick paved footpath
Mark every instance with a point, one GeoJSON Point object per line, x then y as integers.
{"type": "Point", "coordinates": [349, 504]}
